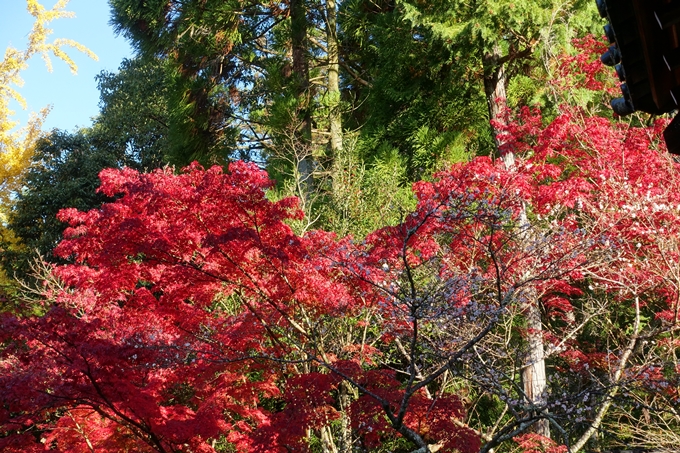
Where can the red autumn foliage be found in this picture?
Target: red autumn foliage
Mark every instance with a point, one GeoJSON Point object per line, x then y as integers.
{"type": "Point", "coordinates": [584, 69]}
{"type": "Point", "coordinates": [192, 314]}
{"type": "Point", "coordinates": [192, 311]}
{"type": "Point", "coordinates": [183, 307]}
{"type": "Point", "coordinates": [534, 443]}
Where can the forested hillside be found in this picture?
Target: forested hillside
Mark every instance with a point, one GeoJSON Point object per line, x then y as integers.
{"type": "Point", "coordinates": [342, 226]}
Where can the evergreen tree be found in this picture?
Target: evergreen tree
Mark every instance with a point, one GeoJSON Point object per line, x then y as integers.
{"type": "Point", "coordinates": [408, 91]}
{"type": "Point", "coordinates": [133, 122]}
{"type": "Point", "coordinates": [211, 51]}
{"type": "Point", "coordinates": [495, 41]}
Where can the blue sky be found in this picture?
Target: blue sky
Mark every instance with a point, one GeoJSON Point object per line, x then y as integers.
{"type": "Point", "coordinates": [74, 98]}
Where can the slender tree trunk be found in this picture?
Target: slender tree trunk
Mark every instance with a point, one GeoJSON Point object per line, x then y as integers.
{"type": "Point", "coordinates": [303, 132]}
{"type": "Point", "coordinates": [339, 162]}
{"type": "Point", "coordinates": [298, 17]}
{"type": "Point", "coordinates": [494, 88]}
{"type": "Point", "coordinates": [533, 371]}
{"type": "Point", "coordinates": [334, 118]}
{"type": "Point", "coordinates": [345, 399]}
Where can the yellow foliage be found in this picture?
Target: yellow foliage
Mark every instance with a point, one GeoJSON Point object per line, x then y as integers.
{"type": "Point", "coordinates": [17, 146]}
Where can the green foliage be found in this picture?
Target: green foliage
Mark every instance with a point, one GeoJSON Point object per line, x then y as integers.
{"type": "Point", "coordinates": [428, 61]}
{"type": "Point", "coordinates": [64, 173]}
{"type": "Point", "coordinates": [208, 47]}
{"type": "Point", "coordinates": [526, 90]}
{"type": "Point", "coordinates": [365, 196]}
{"type": "Point", "coordinates": [134, 121]}
{"type": "Point", "coordinates": [196, 122]}
{"type": "Point", "coordinates": [415, 89]}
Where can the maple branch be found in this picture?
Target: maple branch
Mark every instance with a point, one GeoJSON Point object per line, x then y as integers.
{"type": "Point", "coordinates": [143, 431]}
{"type": "Point", "coordinates": [414, 323]}
{"type": "Point", "coordinates": [81, 431]}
